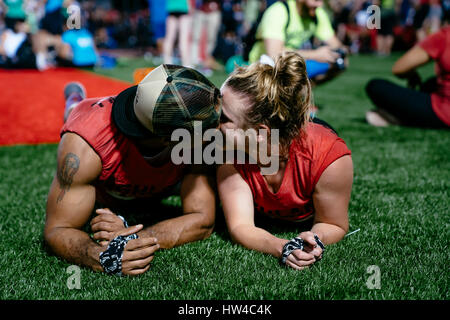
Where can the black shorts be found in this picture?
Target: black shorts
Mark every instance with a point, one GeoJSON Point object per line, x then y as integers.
{"type": "Point", "coordinates": [53, 22]}
{"type": "Point", "coordinates": [177, 14]}
{"type": "Point", "coordinates": [387, 23]}
{"type": "Point", "coordinates": [10, 23]}
{"type": "Point", "coordinates": [69, 64]}
{"type": "Point", "coordinates": [420, 16]}
{"type": "Point", "coordinates": [411, 107]}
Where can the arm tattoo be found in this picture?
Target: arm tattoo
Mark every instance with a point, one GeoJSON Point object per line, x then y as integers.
{"type": "Point", "coordinates": [65, 174]}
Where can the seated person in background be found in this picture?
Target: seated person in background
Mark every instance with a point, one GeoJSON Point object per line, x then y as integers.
{"type": "Point", "coordinates": [82, 53]}
{"type": "Point", "coordinates": [53, 19]}
{"type": "Point", "coordinates": [16, 50]}
{"type": "Point", "coordinates": [315, 173]}
{"type": "Point", "coordinates": [427, 107]}
{"type": "Point", "coordinates": [74, 48]}
{"type": "Point", "coordinates": [47, 47]}
{"type": "Point", "coordinates": [56, 44]}
{"type": "Point", "coordinates": [385, 36]}
{"type": "Point", "coordinates": [19, 49]}
{"type": "Point", "coordinates": [14, 12]}
{"type": "Point", "coordinates": [279, 32]}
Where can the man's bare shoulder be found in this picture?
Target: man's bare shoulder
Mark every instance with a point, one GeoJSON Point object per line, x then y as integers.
{"type": "Point", "coordinates": [75, 155]}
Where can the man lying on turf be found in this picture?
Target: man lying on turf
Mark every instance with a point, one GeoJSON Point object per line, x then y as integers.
{"type": "Point", "coordinates": [315, 172]}
{"type": "Point", "coordinates": [115, 153]}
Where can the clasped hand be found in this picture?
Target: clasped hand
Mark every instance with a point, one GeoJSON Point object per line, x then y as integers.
{"type": "Point", "coordinates": [138, 253]}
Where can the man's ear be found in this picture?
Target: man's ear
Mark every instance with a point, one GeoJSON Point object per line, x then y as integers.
{"type": "Point", "coordinates": [260, 135]}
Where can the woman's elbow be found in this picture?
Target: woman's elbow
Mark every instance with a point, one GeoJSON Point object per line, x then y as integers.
{"type": "Point", "coordinates": [235, 238]}
{"type": "Point", "coordinates": [235, 235]}
{"type": "Point", "coordinates": [238, 235]}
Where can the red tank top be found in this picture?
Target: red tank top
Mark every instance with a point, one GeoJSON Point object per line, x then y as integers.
{"type": "Point", "coordinates": [125, 173]}
{"type": "Point", "coordinates": [437, 46]}
{"type": "Point", "coordinates": [309, 156]}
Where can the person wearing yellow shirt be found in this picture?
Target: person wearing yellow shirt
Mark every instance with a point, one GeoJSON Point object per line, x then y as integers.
{"type": "Point", "coordinates": [279, 32]}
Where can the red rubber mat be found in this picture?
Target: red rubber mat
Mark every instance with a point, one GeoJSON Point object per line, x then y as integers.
{"type": "Point", "coordinates": [32, 102]}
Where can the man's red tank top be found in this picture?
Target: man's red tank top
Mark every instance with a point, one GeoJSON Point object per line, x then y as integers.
{"type": "Point", "coordinates": [125, 173]}
{"type": "Point", "coordinates": [309, 156]}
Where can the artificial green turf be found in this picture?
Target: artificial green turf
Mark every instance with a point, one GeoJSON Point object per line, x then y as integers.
{"type": "Point", "coordinates": [400, 203]}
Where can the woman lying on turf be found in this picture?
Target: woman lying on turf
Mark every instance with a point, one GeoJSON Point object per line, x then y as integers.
{"type": "Point", "coordinates": [315, 174]}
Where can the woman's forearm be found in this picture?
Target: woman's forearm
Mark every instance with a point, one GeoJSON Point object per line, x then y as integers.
{"type": "Point", "coordinates": [328, 233]}
{"type": "Point", "coordinates": [258, 239]}
{"type": "Point", "coordinates": [410, 61]}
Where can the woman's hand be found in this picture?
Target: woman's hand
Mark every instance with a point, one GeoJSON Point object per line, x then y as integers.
{"type": "Point", "coordinates": [311, 245]}
{"type": "Point", "coordinates": [414, 80]}
{"type": "Point", "coordinates": [105, 225]}
{"type": "Point", "coordinates": [300, 259]}
{"type": "Point", "coordinates": [311, 253]}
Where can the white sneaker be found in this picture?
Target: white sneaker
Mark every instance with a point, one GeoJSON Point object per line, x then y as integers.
{"type": "Point", "coordinates": [72, 87]}
{"type": "Point", "coordinates": [379, 118]}
{"type": "Point", "coordinates": [41, 62]}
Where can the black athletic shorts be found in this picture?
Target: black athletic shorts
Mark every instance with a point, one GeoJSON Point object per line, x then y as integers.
{"type": "Point", "coordinates": [177, 14]}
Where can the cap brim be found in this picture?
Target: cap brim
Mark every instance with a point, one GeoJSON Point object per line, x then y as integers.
{"type": "Point", "coordinates": [124, 117]}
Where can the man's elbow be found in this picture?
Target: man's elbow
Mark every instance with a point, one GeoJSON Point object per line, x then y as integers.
{"type": "Point", "coordinates": [50, 238]}
{"type": "Point", "coordinates": [207, 230]}
{"type": "Point", "coordinates": [207, 225]}
{"type": "Point", "coordinates": [53, 236]}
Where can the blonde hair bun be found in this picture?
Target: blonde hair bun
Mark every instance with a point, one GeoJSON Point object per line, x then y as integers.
{"type": "Point", "coordinates": [279, 96]}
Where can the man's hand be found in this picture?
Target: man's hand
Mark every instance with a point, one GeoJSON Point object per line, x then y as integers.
{"type": "Point", "coordinates": [138, 253]}
{"type": "Point", "coordinates": [104, 225]}
{"type": "Point", "coordinates": [325, 54]}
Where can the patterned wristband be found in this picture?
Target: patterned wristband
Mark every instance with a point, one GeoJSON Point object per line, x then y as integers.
{"type": "Point", "coordinates": [319, 243]}
{"type": "Point", "coordinates": [111, 258]}
{"type": "Point", "coordinates": [125, 224]}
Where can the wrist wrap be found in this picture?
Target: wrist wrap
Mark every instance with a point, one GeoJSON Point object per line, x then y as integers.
{"type": "Point", "coordinates": [111, 258]}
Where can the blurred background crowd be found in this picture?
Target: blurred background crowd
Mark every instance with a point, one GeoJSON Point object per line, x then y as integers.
{"type": "Point", "coordinates": [202, 33]}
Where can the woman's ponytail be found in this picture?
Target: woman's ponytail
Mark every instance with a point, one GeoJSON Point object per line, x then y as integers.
{"type": "Point", "coordinates": [279, 96]}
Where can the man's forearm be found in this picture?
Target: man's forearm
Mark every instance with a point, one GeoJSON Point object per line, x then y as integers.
{"type": "Point", "coordinates": [307, 54]}
{"type": "Point", "coordinates": [334, 42]}
{"type": "Point", "coordinates": [75, 246]}
{"type": "Point", "coordinates": [180, 230]}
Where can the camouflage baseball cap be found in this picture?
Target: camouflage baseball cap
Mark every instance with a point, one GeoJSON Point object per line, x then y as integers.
{"type": "Point", "coordinates": [170, 97]}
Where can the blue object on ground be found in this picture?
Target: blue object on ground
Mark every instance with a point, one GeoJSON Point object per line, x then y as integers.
{"type": "Point", "coordinates": [315, 68]}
